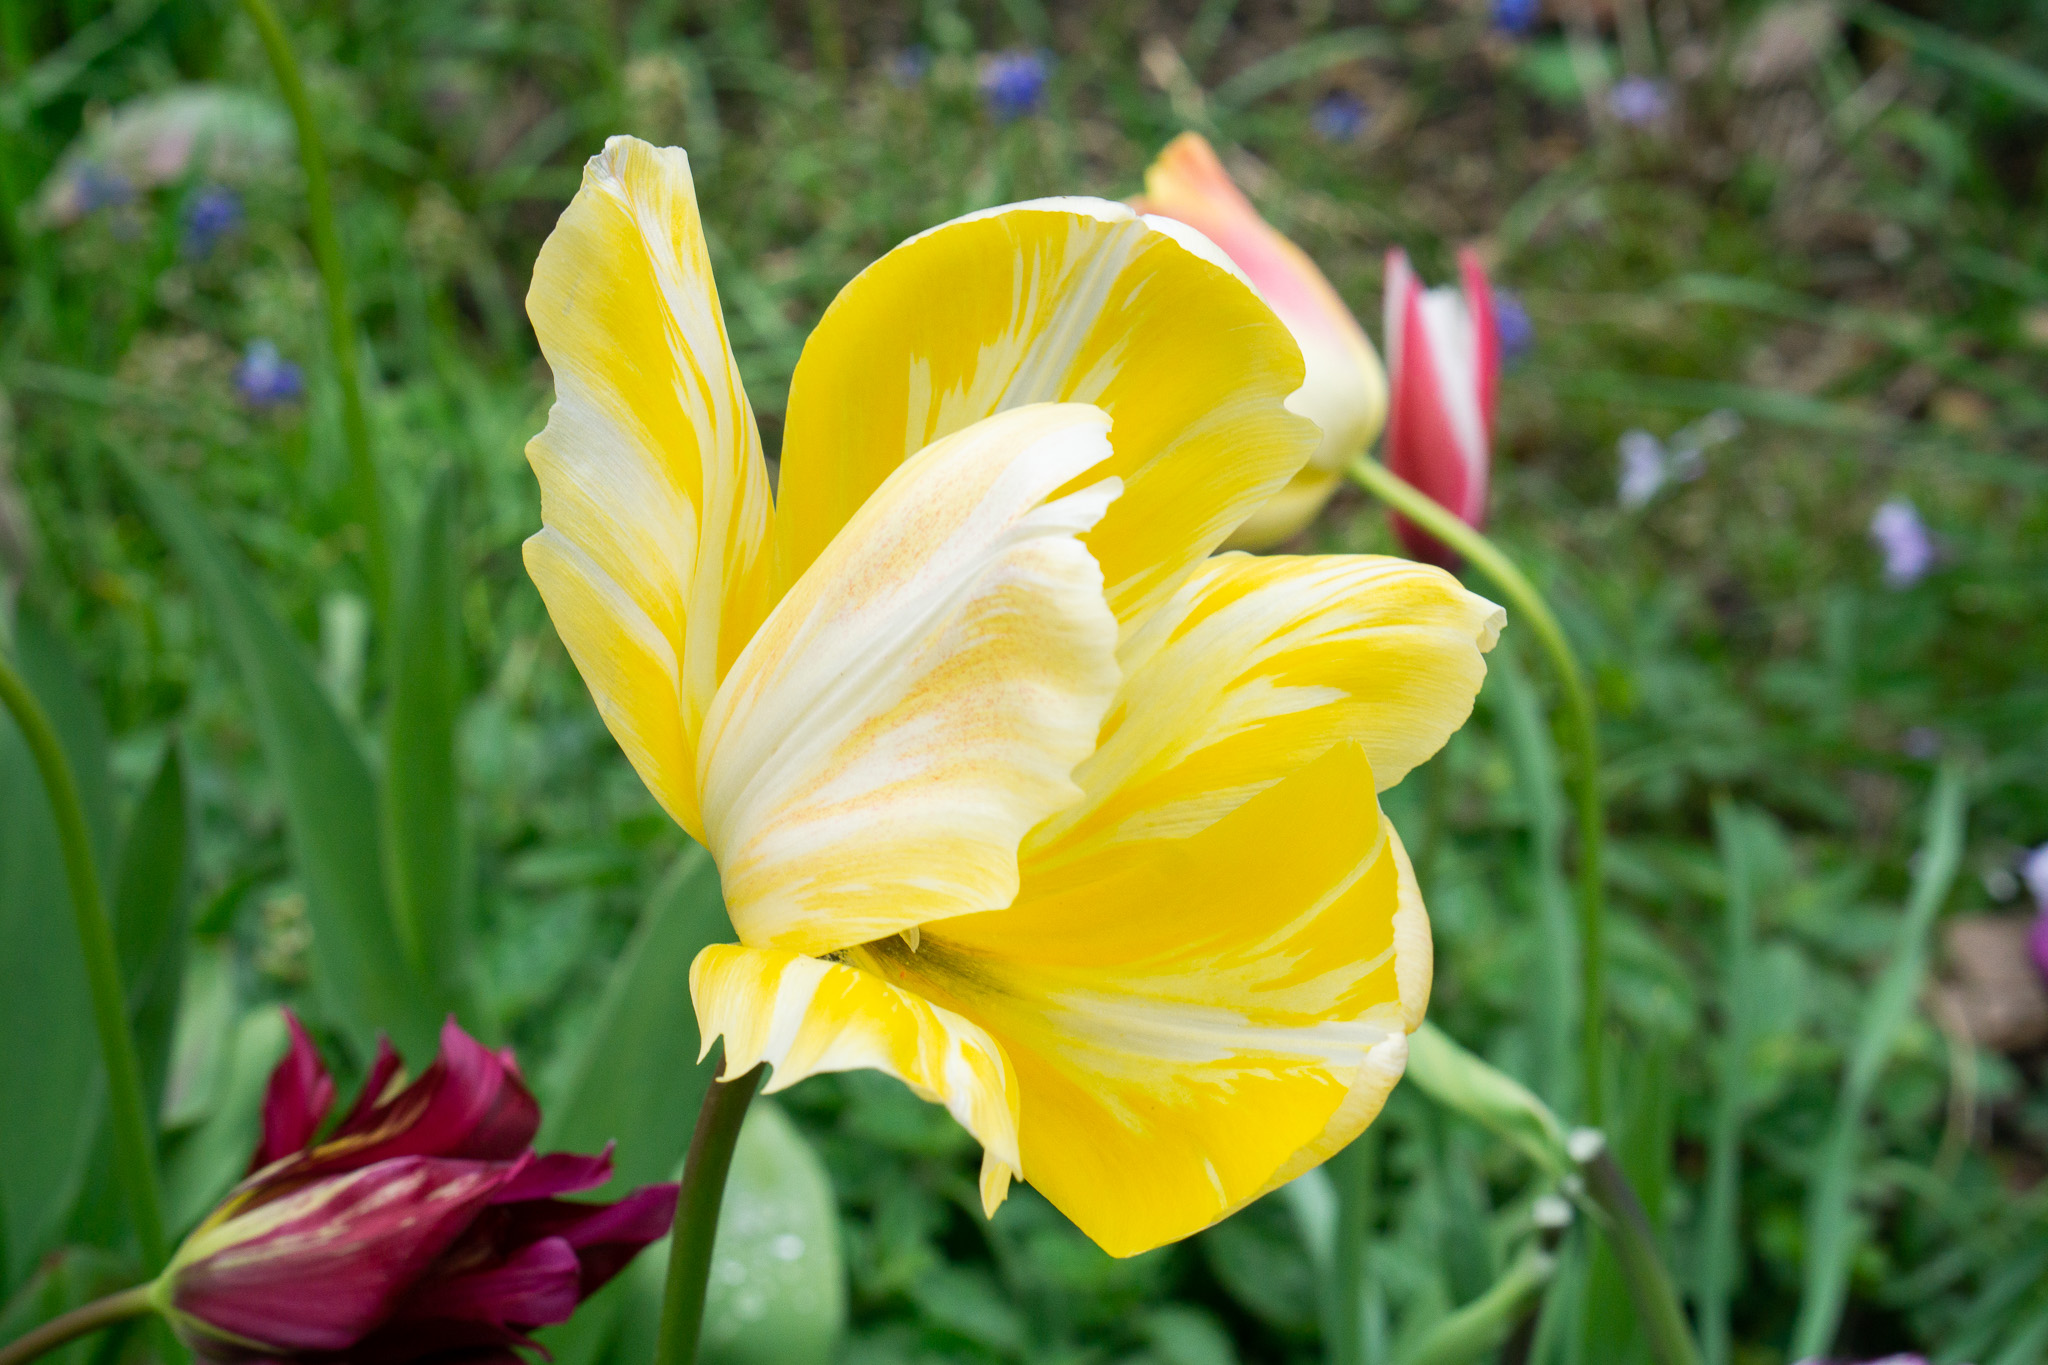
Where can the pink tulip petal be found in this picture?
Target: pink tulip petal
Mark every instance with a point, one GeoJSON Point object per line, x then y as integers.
{"type": "Point", "coordinates": [470, 1104]}
{"type": "Point", "coordinates": [298, 1098]}
{"type": "Point", "coordinates": [1440, 415]}
{"type": "Point", "coordinates": [329, 1261]}
{"type": "Point", "coordinates": [536, 1285]}
{"type": "Point", "coordinates": [558, 1173]}
{"type": "Point", "coordinates": [605, 1236]}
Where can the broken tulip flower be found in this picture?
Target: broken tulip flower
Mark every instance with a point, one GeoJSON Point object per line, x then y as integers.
{"type": "Point", "coordinates": [1443, 350]}
{"type": "Point", "coordinates": [422, 1229]}
{"type": "Point", "coordinates": [1016, 793]}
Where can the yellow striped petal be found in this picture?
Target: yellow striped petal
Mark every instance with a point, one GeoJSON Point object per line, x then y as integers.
{"type": "Point", "coordinates": [1287, 513]}
{"type": "Point", "coordinates": [1259, 665]}
{"type": "Point", "coordinates": [654, 556]}
{"type": "Point", "coordinates": [919, 699]}
{"type": "Point", "coordinates": [803, 1015]}
{"type": "Point", "coordinates": [1186, 1017]}
{"type": "Point", "coordinates": [1060, 300]}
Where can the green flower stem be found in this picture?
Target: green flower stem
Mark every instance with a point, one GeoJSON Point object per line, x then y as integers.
{"type": "Point", "coordinates": [1354, 1171]}
{"type": "Point", "coordinates": [134, 1148]}
{"type": "Point", "coordinates": [1635, 1246]}
{"type": "Point", "coordinates": [129, 1303]}
{"type": "Point", "coordinates": [341, 330]}
{"type": "Point", "coordinates": [696, 1227]}
{"type": "Point", "coordinates": [1412, 503]}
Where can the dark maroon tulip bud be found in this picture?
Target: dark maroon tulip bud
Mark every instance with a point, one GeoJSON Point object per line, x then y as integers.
{"type": "Point", "coordinates": [422, 1229]}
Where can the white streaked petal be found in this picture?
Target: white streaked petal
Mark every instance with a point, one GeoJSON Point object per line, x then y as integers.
{"type": "Point", "coordinates": [650, 467]}
{"type": "Point", "coordinates": [804, 1015]}
{"type": "Point", "coordinates": [919, 699]}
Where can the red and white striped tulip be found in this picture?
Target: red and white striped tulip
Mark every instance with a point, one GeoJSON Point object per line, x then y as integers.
{"type": "Point", "coordinates": [1443, 349]}
{"type": "Point", "coordinates": [1343, 389]}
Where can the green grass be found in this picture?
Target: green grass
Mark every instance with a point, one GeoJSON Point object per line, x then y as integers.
{"type": "Point", "coordinates": [1853, 258]}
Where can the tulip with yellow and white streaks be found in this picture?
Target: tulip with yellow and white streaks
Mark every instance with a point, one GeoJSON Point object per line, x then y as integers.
{"type": "Point", "coordinates": [1015, 791]}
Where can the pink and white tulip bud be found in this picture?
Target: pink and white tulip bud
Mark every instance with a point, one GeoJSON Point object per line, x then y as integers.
{"type": "Point", "coordinates": [1344, 389]}
{"type": "Point", "coordinates": [1444, 352]}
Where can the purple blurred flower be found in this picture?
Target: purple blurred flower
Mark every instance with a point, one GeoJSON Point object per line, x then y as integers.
{"type": "Point", "coordinates": [1643, 469]}
{"type": "Point", "coordinates": [1922, 742]}
{"type": "Point", "coordinates": [423, 1231]}
{"type": "Point", "coordinates": [1340, 116]}
{"type": "Point", "coordinates": [213, 213]}
{"type": "Point", "coordinates": [1516, 16]}
{"type": "Point", "coordinates": [1511, 321]}
{"type": "Point", "coordinates": [1638, 101]}
{"type": "Point", "coordinates": [2034, 872]}
{"type": "Point", "coordinates": [1903, 539]}
{"type": "Point", "coordinates": [99, 188]}
{"type": "Point", "coordinates": [266, 379]}
{"type": "Point", "coordinates": [907, 66]}
{"type": "Point", "coordinates": [1013, 83]}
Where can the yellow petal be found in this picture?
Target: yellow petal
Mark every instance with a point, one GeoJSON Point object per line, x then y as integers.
{"type": "Point", "coordinates": [803, 1015]}
{"type": "Point", "coordinates": [1287, 513]}
{"type": "Point", "coordinates": [1068, 300]}
{"type": "Point", "coordinates": [919, 699]}
{"type": "Point", "coordinates": [655, 559]}
{"type": "Point", "coordinates": [1344, 390]}
{"type": "Point", "coordinates": [1186, 1016]}
{"type": "Point", "coordinates": [1258, 666]}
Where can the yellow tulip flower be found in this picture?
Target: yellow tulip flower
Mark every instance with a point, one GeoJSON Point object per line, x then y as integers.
{"type": "Point", "coordinates": [1015, 792]}
{"type": "Point", "coordinates": [1345, 389]}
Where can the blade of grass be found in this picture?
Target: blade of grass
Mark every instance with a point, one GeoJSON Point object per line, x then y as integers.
{"type": "Point", "coordinates": [1299, 62]}
{"type": "Point", "coordinates": [360, 972]}
{"type": "Point", "coordinates": [152, 905]}
{"type": "Point", "coordinates": [422, 799]}
{"type": "Point", "coordinates": [1483, 1324]}
{"type": "Point", "coordinates": [1831, 1226]}
{"type": "Point", "coordinates": [2027, 84]}
{"type": "Point", "coordinates": [341, 327]}
{"type": "Point", "coordinates": [1720, 1237]}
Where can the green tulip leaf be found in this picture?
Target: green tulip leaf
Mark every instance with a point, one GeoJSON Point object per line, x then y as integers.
{"type": "Point", "coordinates": [51, 1089]}
{"type": "Point", "coordinates": [152, 905]}
{"type": "Point", "coordinates": [360, 973]}
{"type": "Point", "coordinates": [214, 1155]}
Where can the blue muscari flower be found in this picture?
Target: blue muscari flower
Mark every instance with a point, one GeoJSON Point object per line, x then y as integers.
{"type": "Point", "coordinates": [211, 215]}
{"type": "Point", "coordinates": [1013, 83]}
{"type": "Point", "coordinates": [1339, 116]}
{"type": "Point", "coordinates": [1516, 16]}
{"type": "Point", "coordinates": [266, 379]}
{"type": "Point", "coordinates": [1638, 101]}
{"type": "Point", "coordinates": [1511, 323]}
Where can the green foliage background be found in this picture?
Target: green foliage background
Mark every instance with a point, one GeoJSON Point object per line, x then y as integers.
{"type": "Point", "coordinates": [1849, 253]}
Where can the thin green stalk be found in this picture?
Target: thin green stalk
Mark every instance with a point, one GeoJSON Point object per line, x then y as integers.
{"type": "Point", "coordinates": [697, 1206]}
{"type": "Point", "coordinates": [1635, 1246]}
{"type": "Point", "coordinates": [1354, 1171]}
{"type": "Point", "coordinates": [1720, 1237]}
{"type": "Point", "coordinates": [341, 332]}
{"type": "Point", "coordinates": [1416, 505]}
{"type": "Point", "coordinates": [1831, 1230]}
{"type": "Point", "coordinates": [134, 1148]}
{"type": "Point", "coordinates": [1483, 1324]}
{"type": "Point", "coordinates": [129, 1303]}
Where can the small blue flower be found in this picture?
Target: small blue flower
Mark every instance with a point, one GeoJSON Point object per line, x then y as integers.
{"type": "Point", "coordinates": [1340, 117]}
{"type": "Point", "coordinates": [907, 66]}
{"type": "Point", "coordinates": [1638, 101]}
{"type": "Point", "coordinates": [1904, 541]}
{"type": "Point", "coordinates": [266, 379]}
{"type": "Point", "coordinates": [212, 214]}
{"type": "Point", "coordinates": [1511, 323]}
{"type": "Point", "coordinates": [1013, 83]}
{"type": "Point", "coordinates": [1516, 17]}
